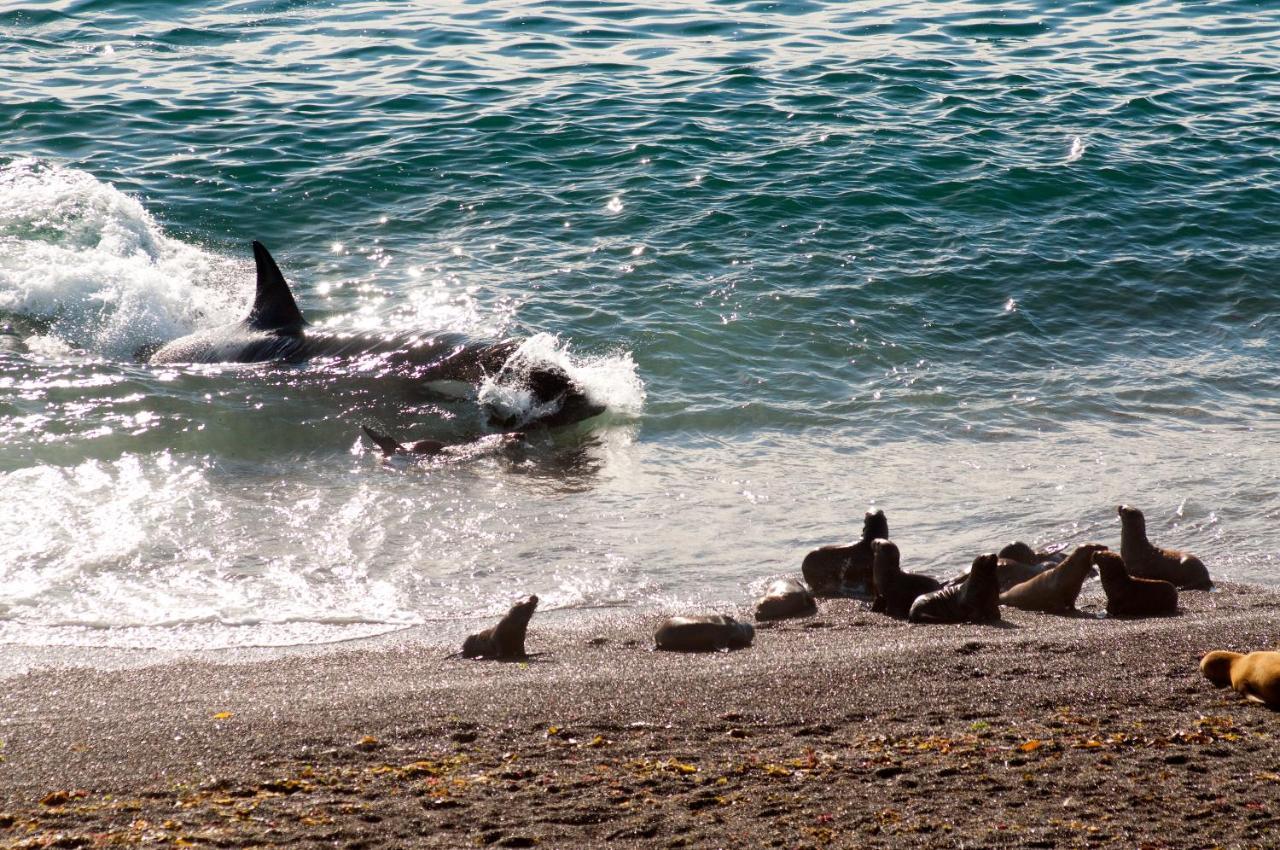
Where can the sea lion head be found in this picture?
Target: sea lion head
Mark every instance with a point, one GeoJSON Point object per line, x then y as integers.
{"type": "Point", "coordinates": [1110, 565]}
{"type": "Point", "coordinates": [524, 609]}
{"type": "Point", "coordinates": [875, 526]}
{"type": "Point", "coordinates": [885, 560]}
{"type": "Point", "coordinates": [1018, 551]}
{"type": "Point", "coordinates": [1132, 519]}
{"type": "Point", "coordinates": [1216, 666]}
{"type": "Point", "coordinates": [984, 565]}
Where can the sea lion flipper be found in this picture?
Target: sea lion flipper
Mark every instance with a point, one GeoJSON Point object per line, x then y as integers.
{"type": "Point", "coordinates": [386, 442]}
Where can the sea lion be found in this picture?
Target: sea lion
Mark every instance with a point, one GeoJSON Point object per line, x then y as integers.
{"type": "Point", "coordinates": [1256, 675]}
{"type": "Point", "coordinates": [831, 569]}
{"type": "Point", "coordinates": [1024, 554]}
{"type": "Point", "coordinates": [703, 633]}
{"type": "Point", "coordinates": [976, 600]}
{"type": "Point", "coordinates": [786, 598]}
{"type": "Point", "coordinates": [1055, 590]}
{"type": "Point", "coordinates": [391, 446]}
{"type": "Point", "coordinates": [1146, 560]}
{"type": "Point", "coordinates": [1133, 597]}
{"type": "Point", "coordinates": [896, 590]}
{"type": "Point", "coordinates": [505, 640]}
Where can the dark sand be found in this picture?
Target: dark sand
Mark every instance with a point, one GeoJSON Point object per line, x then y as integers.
{"type": "Point", "coordinates": [847, 729]}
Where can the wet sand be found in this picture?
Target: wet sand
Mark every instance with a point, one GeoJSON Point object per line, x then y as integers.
{"type": "Point", "coordinates": [847, 729]}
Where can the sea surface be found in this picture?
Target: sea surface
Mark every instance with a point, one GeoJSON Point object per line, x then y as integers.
{"type": "Point", "coordinates": [992, 267]}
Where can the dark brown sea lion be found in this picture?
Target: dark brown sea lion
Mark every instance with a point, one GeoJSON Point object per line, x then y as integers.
{"type": "Point", "coordinates": [786, 598]}
{"type": "Point", "coordinates": [831, 570]}
{"type": "Point", "coordinates": [1055, 590]}
{"type": "Point", "coordinates": [505, 640]}
{"type": "Point", "coordinates": [896, 590]}
{"type": "Point", "coordinates": [976, 600]}
{"type": "Point", "coordinates": [1146, 560]}
{"type": "Point", "coordinates": [1021, 552]}
{"type": "Point", "coordinates": [390, 445]}
{"type": "Point", "coordinates": [1256, 675]}
{"type": "Point", "coordinates": [1133, 597]}
{"type": "Point", "coordinates": [703, 633]}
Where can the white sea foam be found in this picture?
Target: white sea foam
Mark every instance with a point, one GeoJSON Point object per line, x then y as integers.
{"type": "Point", "coordinates": [92, 262]}
{"type": "Point", "coordinates": [1075, 149]}
{"type": "Point", "coordinates": [610, 380]}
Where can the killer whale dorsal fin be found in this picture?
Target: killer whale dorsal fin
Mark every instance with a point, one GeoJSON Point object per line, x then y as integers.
{"type": "Point", "coordinates": [273, 306]}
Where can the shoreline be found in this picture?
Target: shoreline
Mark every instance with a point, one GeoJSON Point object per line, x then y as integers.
{"type": "Point", "coordinates": [844, 729]}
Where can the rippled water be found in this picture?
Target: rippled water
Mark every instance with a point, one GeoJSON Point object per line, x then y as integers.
{"type": "Point", "coordinates": [991, 267]}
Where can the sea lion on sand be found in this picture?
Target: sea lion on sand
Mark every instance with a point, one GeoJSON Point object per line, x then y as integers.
{"type": "Point", "coordinates": [1021, 552]}
{"type": "Point", "coordinates": [1256, 675]}
{"type": "Point", "coordinates": [505, 640]}
{"type": "Point", "coordinates": [786, 598]}
{"type": "Point", "coordinates": [976, 600]}
{"type": "Point", "coordinates": [829, 569]}
{"type": "Point", "coordinates": [896, 590]}
{"type": "Point", "coordinates": [1133, 597]}
{"type": "Point", "coordinates": [703, 633]}
{"type": "Point", "coordinates": [1055, 590]}
{"type": "Point", "coordinates": [1146, 560]}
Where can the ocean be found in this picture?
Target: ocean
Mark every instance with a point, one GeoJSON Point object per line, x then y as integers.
{"type": "Point", "coordinates": [994, 268]}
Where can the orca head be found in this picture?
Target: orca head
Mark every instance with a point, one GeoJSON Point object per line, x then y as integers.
{"type": "Point", "coordinates": [274, 309]}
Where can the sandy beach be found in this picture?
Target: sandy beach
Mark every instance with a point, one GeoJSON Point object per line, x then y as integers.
{"type": "Point", "coordinates": [848, 729]}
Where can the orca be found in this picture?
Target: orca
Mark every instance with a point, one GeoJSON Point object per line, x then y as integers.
{"type": "Point", "coordinates": [275, 331]}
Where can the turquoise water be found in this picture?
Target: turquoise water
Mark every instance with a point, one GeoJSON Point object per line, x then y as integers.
{"type": "Point", "coordinates": [992, 267]}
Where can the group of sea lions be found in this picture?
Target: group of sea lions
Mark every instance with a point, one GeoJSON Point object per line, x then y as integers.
{"type": "Point", "coordinates": [1143, 580]}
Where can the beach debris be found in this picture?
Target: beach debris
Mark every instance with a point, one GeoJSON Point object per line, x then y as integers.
{"type": "Point", "coordinates": [506, 639]}
{"type": "Point", "coordinates": [223, 715]}
{"type": "Point", "coordinates": [703, 633]}
{"type": "Point", "coordinates": [62, 797]}
{"type": "Point", "coordinates": [786, 598]}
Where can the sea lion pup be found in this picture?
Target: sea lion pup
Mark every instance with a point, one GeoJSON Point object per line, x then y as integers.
{"type": "Point", "coordinates": [975, 600]}
{"type": "Point", "coordinates": [1256, 675]}
{"type": "Point", "coordinates": [896, 590]}
{"type": "Point", "coordinates": [786, 598]}
{"type": "Point", "coordinates": [505, 640]}
{"type": "Point", "coordinates": [1055, 590]}
{"type": "Point", "coordinates": [829, 569]}
{"type": "Point", "coordinates": [703, 633]}
{"type": "Point", "coordinates": [1133, 597]}
{"type": "Point", "coordinates": [1146, 560]}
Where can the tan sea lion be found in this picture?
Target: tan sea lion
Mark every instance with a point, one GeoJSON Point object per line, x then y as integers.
{"type": "Point", "coordinates": [896, 590]}
{"type": "Point", "coordinates": [1055, 590]}
{"type": "Point", "coordinates": [703, 633]}
{"type": "Point", "coordinates": [976, 600]}
{"type": "Point", "coordinates": [1133, 597]}
{"type": "Point", "coordinates": [830, 570]}
{"type": "Point", "coordinates": [1146, 560]}
{"type": "Point", "coordinates": [786, 598]}
{"type": "Point", "coordinates": [1256, 675]}
{"type": "Point", "coordinates": [506, 639]}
